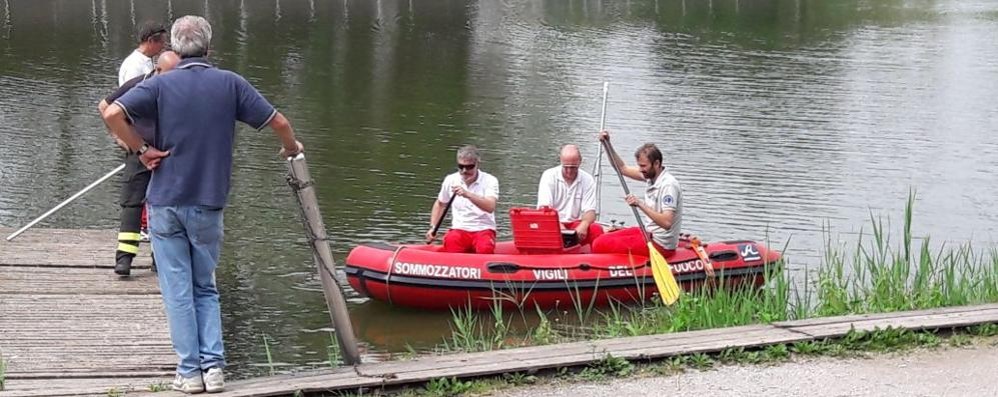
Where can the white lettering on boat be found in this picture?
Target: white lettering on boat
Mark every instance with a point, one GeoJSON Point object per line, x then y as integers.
{"type": "Point", "coordinates": [688, 266]}
{"type": "Point", "coordinates": [420, 269]}
{"type": "Point", "coordinates": [551, 274]}
{"type": "Point", "coordinates": [620, 271]}
{"type": "Point", "coordinates": [749, 252]}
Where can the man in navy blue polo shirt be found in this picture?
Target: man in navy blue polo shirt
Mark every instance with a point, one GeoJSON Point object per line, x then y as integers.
{"type": "Point", "coordinates": [195, 107]}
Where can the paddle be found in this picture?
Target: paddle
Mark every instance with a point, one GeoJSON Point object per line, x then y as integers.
{"type": "Point", "coordinates": [597, 169]}
{"type": "Point", "coordinates": [436, 225]}
{"type": "Point", "coordinates": [664, 280]}
{"type": "Point", "coordinates": [702, 254]}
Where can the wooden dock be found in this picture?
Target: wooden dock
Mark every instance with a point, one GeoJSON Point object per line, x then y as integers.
{"type": "Point", "coordinates": [415, 372]}
{"type": "Point", "coordinates": [70, 326]}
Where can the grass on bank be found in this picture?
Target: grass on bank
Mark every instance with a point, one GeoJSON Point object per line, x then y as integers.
{"type": "Point", "coordinates": [877, 275]}
{"type": "Point", "coordinates": [3, 372]}
{"type": "Point", "coordinates": [882, 279]}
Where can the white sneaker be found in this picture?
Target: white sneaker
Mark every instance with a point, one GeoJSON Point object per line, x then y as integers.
{"type": "Point", "coordinates": [144, 236]}
{"type": "Point", "coordinates": [214, 380]}
{"type": "Point", "coordinates": [190, 385]}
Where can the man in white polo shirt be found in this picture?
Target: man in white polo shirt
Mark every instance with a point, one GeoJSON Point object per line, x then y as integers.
{"type": "Point", "coordinates": [152, 41]}
{"type": "Point", "coordinates": [661, 209]}
{"type": "Point", "coordinates": [475, 194]}
{"type": "Point", "coordinates": [572, 192]}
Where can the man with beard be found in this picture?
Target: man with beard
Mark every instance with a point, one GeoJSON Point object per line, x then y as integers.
{"type": "Point", "coordinates": [662, 207]}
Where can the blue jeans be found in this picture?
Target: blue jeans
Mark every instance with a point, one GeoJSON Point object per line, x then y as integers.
{"type": "Point", "coordinates": [187, 242]}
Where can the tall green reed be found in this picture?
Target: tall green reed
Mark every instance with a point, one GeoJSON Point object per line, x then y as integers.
{"type": "Point", "coordinates": [3, 372]}
{"type": "Point", "coordinates": [883, 276]}
{"type": "Point", "coordinates": [270, 357]}
{"type": "Point", "coordinates": [877, 274]}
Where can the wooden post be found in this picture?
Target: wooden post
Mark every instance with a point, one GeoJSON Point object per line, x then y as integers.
{"type": "Point", "coordinates": [315, 231]}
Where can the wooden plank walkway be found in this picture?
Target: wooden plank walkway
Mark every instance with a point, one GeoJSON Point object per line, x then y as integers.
{"type": "Point", "coordinates": [70, 327]}
{"type": "Point", "coordinates": [417, 371]}
{"type": "Point", "coordinates": [69, 324]}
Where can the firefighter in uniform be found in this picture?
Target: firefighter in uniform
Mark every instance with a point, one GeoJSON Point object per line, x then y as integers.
{"type": "Point", "coordinates": [136, 176]}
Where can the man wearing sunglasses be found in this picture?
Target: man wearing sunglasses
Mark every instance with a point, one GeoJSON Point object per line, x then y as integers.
{"type": "Point", "coordinates": [572, 192]}
{"type": "Point", "coordinates": [475, 194]}
{"type": "Point", "coordinates": [152, 41]}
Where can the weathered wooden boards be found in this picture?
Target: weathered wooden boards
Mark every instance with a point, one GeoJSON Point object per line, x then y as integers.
{"type": "Point", "coordinates": [399, 373]}
{"type": "Point", "coordinates": [60, 248]}
{"type": "Point", "coordinates": [70, 326]}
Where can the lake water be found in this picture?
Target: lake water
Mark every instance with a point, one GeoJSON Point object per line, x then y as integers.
{"type": "Point", "coordinates": [778, 117]}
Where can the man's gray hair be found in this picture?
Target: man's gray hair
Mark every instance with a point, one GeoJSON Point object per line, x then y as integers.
{"type": "Point", "coordinates": [469, 152]}
{"type": "Point", "coordinates": [190, 36]}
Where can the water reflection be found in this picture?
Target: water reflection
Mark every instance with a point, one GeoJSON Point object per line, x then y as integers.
{"type": "Point", "coordinates": [776, 115]}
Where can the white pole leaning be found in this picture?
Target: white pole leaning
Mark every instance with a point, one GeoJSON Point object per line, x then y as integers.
{"type": "Point", "coordinates": [597, 172]}
{"type": "Point", "coordinates": [67, 201]}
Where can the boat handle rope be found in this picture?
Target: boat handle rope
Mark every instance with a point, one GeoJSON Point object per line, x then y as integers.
{"type": "Point", "coordinates": [391, 267]}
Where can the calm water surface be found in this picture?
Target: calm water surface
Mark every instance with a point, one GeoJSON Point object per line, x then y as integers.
{"type": "Point", "coordinates": [777, 116]}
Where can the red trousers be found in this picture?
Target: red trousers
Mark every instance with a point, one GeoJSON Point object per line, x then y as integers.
{"type": "Point", "coordinates": [595, 230]}
{"type": "Point", "coordinates": [626, 241]}
{"type": "Point", "coordinates": [482, 242]}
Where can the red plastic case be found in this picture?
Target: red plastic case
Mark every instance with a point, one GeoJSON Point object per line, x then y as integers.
{"type": "Point", "coordinates": [536, 230]}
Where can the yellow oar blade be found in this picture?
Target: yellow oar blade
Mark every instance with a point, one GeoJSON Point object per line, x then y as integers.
{"type": "Point", "coordinates": [668, 288]}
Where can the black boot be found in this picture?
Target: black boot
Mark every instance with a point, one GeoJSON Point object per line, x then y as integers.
{"type": "Point", "coordinates": [123, 264]}
{"type": "Point", "coordinates": [153, 263]}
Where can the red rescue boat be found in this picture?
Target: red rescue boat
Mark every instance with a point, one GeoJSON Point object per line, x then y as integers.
{"type": "Point", "coordinates": [422, 276]}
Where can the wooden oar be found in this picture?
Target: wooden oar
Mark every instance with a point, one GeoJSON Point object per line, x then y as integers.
{"type": "Point", "coordinates": [702, 254]}
{"type": "Point", "coordinates": [668, 288]}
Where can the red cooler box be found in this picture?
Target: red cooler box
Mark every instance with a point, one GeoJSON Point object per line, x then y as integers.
{"type": "Point", "coordinates": [536, 231]}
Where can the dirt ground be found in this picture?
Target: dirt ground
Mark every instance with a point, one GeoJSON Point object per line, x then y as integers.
{"type": "Point", "coordinates": [950, 371]}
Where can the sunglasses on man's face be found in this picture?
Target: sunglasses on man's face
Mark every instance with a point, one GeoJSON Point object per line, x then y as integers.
{"type": "Point", "coordinates": [466, 166]}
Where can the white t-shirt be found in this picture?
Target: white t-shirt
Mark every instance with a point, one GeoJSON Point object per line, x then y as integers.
{"type": "Point", "coordinates": [465, 215]}
{"type": "Point", "coordinates": [136, 64]}
{"type": "Point", "coordinates": [571, 201]}
{"type": "Point", "coordinates": [665, 194]}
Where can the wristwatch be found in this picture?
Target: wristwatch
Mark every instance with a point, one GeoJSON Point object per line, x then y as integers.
{"type": "Point", "coordinates": [142, 149]}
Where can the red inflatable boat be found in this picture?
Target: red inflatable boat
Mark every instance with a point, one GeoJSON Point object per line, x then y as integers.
{"type": "Point", "coordinates": [525, 272]}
